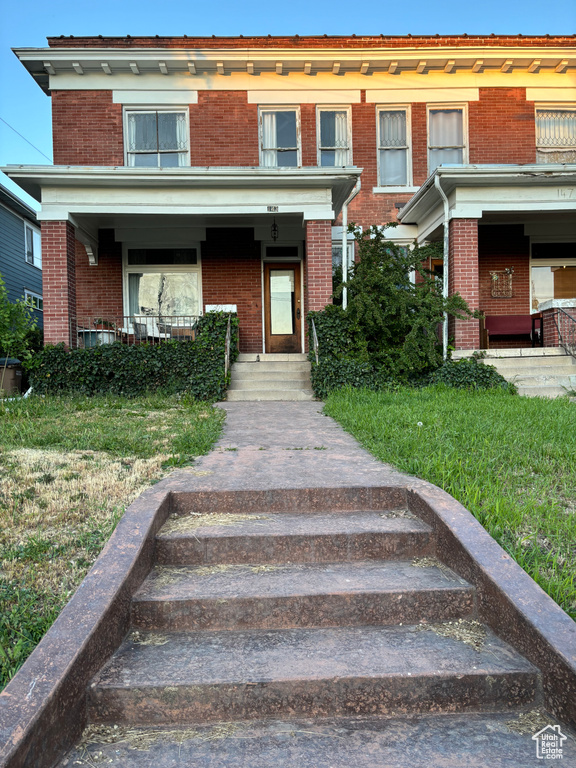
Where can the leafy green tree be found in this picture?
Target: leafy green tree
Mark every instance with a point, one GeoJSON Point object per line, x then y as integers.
{"type": "Point", "coordinates": [392, 316]}
{"type": "Point", "coordinates": [16, 321]}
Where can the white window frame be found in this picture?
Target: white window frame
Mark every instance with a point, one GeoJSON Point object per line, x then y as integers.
{"type": "Point", "coordinates": [158, 269]}
{"type": "Point", "coordinates": [465, 138]}
{"type": "Point", "coordinates": [34, 300]}
{"type": "Point", "coordinates": [319, 148]}
{"type": "Point", "coordinates": [36, 246]}
{"type": "Point", "coordinates": [562, 107]}
{"type": "Point", "coordinates": [409, 186]}
{"type": "Point", "coordinates": [283, 108]}
{"type": "Point", "coordinates": [151, 109]}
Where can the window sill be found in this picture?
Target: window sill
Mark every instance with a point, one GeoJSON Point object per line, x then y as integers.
{"type": "Point", "coordinates": [388, 190]}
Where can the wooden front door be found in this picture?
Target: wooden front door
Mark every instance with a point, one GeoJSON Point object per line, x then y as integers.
{"type": "Point", "coordinates": [282, 307]}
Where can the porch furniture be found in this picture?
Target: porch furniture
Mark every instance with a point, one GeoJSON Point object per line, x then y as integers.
{"type": "Point", "coordinates": [147, 329]}
{"type": "Point", "coordinates": [512, 325]}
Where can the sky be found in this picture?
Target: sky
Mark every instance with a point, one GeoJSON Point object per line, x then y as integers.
{"type": "Point", "coordinates": [26, 109]}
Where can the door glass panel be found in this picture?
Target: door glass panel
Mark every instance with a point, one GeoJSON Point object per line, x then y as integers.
{"type": "Point", "coordinates": [558, 282]}
{"type": "Point", "coordinates": [282, 301]}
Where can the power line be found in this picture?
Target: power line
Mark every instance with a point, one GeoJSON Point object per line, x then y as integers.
{"type": "Point", "coordinates": [25, 139]}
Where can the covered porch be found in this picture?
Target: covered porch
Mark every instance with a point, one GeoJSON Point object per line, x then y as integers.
{"type": "Point", "coordinates": [509, 237]}
{"type": "Point", "coordinates": [135, 254]}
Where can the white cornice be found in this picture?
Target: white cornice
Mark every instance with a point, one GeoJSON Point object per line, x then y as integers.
{"type": "Point", "coordinates": [45, 64]}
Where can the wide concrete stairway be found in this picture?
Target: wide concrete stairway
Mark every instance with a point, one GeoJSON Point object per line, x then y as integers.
{"type": "Point", "coordinates": [538, 372]}
{"type": "Point", "coordinates": [306, 638]}
{"type": "Point", "coordinates": [271, 377]}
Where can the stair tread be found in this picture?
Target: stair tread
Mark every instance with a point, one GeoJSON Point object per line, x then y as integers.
{"type": "Point", "coordinates": [475, 740]}
{"type": "Point", "coordinates": [292, 524]}
{"type": "Point", "coordinates": [271, 656]}
{"type": "Point", "coordinates": [243, 581]}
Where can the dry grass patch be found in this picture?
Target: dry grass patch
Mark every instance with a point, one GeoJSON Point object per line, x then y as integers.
{"type": "Point", "coordinates": [69, 466]}
{"type": "Point", "coordinates": [177, 524]}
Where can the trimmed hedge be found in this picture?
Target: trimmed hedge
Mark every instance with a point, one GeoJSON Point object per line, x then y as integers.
{"type": "Point", "coordinates": [196, 367]}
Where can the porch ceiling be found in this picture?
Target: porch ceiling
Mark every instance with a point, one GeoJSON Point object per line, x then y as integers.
{"type": "Point", "coordinates": [504, 193]}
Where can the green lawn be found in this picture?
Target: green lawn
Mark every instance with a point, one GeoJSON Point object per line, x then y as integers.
{"type": "Point", "coordinates": [69, 466]}
{"type": "Point", "coordinates": [510, 460]}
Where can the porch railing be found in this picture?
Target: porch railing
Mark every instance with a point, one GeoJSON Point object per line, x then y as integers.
{"type": "Point", "coordinates": [132, 329]}
{"type": "Point", "coordinates": [566, 326]}
{"type": "Point", "coordinates": [227, 346]}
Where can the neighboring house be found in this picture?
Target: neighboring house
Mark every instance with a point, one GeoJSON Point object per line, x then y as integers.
{"type": "Point", "coordinates": [20, 252]}
{"type": "Point", "coordinates": [192, 172]}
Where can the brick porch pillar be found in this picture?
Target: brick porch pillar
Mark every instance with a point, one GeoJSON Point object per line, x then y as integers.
{"type": "Point", "coordinates": [59, 282]}
{"type": "Point", "coordinates": [463, 279]}
{"type": "Point", "coordinates": [318, 275]}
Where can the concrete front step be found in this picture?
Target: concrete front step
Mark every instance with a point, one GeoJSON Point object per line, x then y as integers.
{"type": "Point", "coordinates": [285, 357]}
{"type": "Point", "coordinates": [273, 366]}
{"type": "Point", "coordinates": [238, 384]}
{"type": "Point", "coordinates": [237, 395]}
{"type": "Point", "coordinates": [475, 740]}
{"type": "Point", "coordinates": [286, 537]}
{"type": "Point", "coordinates": [521, 352]}
{"type": "Point", "coordinates": [231, 675]}
{"type": "Point", "coordinates": [251, 373]}
{"type": "Point", "coordinates": [550, 391]}
{"type": "Point", "coordinates": [276, 596]}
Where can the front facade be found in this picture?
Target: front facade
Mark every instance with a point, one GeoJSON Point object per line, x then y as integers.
{"type": "Point", "coordinates": [196, 173]}
{"type": "Point", "coordinates": [21, 252]}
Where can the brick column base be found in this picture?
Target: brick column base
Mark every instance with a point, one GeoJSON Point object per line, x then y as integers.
{"type": "Point", "coordinates": [59, 282]}
{"type": "Point", "coordinates": [463, 279]}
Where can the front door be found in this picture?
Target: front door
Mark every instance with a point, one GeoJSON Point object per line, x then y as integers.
{"type": "Point", "coordinates": [282, 307]}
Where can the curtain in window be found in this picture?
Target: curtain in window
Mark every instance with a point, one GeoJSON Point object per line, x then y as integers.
{"type": "Point", "coordinates": [157, 138]}
{"type": "Point", "coordinates": [269, 154]}
{"type": "Point", "coordinates": [333, 138]}
{"type": "Point", "coordinates": [394, 148]}
{"type": "Point", "coordinates": [446, 137]}
{"type": "Point", "coordinates": [556, 136]}
{"type": "Point", "coordinates": [134, 293]}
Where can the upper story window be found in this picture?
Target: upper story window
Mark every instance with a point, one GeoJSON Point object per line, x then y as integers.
{"type": "Point", "coordinates": [33, 252]}
{"type": "Point", "coordinates": [34, 300]}
{"type": "Point", "coordinates": [156, 138]}
{"type": "Point", "coordinates": [280, 138]}
{"type": "Point", "coordinates": [555, 135]}
{"type": "Point", "coordinates": [394, 156]}
{"type": "Point", "coordinates": [447, 137]}
{"type": "Point", "coordinates": [333, 132]}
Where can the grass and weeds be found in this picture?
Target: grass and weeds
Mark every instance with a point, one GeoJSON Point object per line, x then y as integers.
{"type": "Point", "coordinates": [510, 460]}
{"type": "Point", "coordinates": [69, 466]}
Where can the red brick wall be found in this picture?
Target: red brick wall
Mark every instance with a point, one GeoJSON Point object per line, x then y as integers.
{"type": "Point", "coordinates": [501, 247]}
{"type": "Point", "coordinates": [99, 289]}
{"type": "Point", "coordinates": [86, 128]}
{"type": "Point", "coordinates": [223, 130]}
{"type": "Point", "coordinates": [59, 280]}
{"type": "Point", "coordinates": [318, 266]}
{"type": "Point", "coordinates": [502, 127]}
{"type": "Point", "coordinates": [232, 274]}
{"type": "Point", "coordinates": [463, 279]}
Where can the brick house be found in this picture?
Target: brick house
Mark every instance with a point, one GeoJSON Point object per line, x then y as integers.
{"type": "Point", "coordinates": [191, 173]}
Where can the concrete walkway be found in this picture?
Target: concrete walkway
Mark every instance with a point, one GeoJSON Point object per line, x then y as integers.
{"type": "Point", "coordinates": [285, 445]}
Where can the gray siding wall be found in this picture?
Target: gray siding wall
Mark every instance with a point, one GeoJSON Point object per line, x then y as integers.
{"type": "Point", "coordinates": [16, 273]}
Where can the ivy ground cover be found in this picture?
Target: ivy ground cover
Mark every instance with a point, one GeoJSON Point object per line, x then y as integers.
{"type": "Point", "coordinates": [510, 460]}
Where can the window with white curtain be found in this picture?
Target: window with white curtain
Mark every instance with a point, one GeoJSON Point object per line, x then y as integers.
{"type": "Point", "coordinates": [394, 160]}
{"type": "Point", "coordinates": [556, 134]}
{"type": "Point", "coordinates": [446, 137]}
{"type": "Point", "coordinates": [156, 138]}
{"type": "Point", "coordinates": [33, 249]}
{"type": "Point", "coordinates": [279, 138]}
{"type": "Point", "coordinates": [333, 131]}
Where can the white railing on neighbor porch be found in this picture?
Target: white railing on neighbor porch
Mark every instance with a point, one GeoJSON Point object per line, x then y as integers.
{"type": "Point", "coordinates": [566, 325]}
{"type": "Point", "coordinates": [132, 329]}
